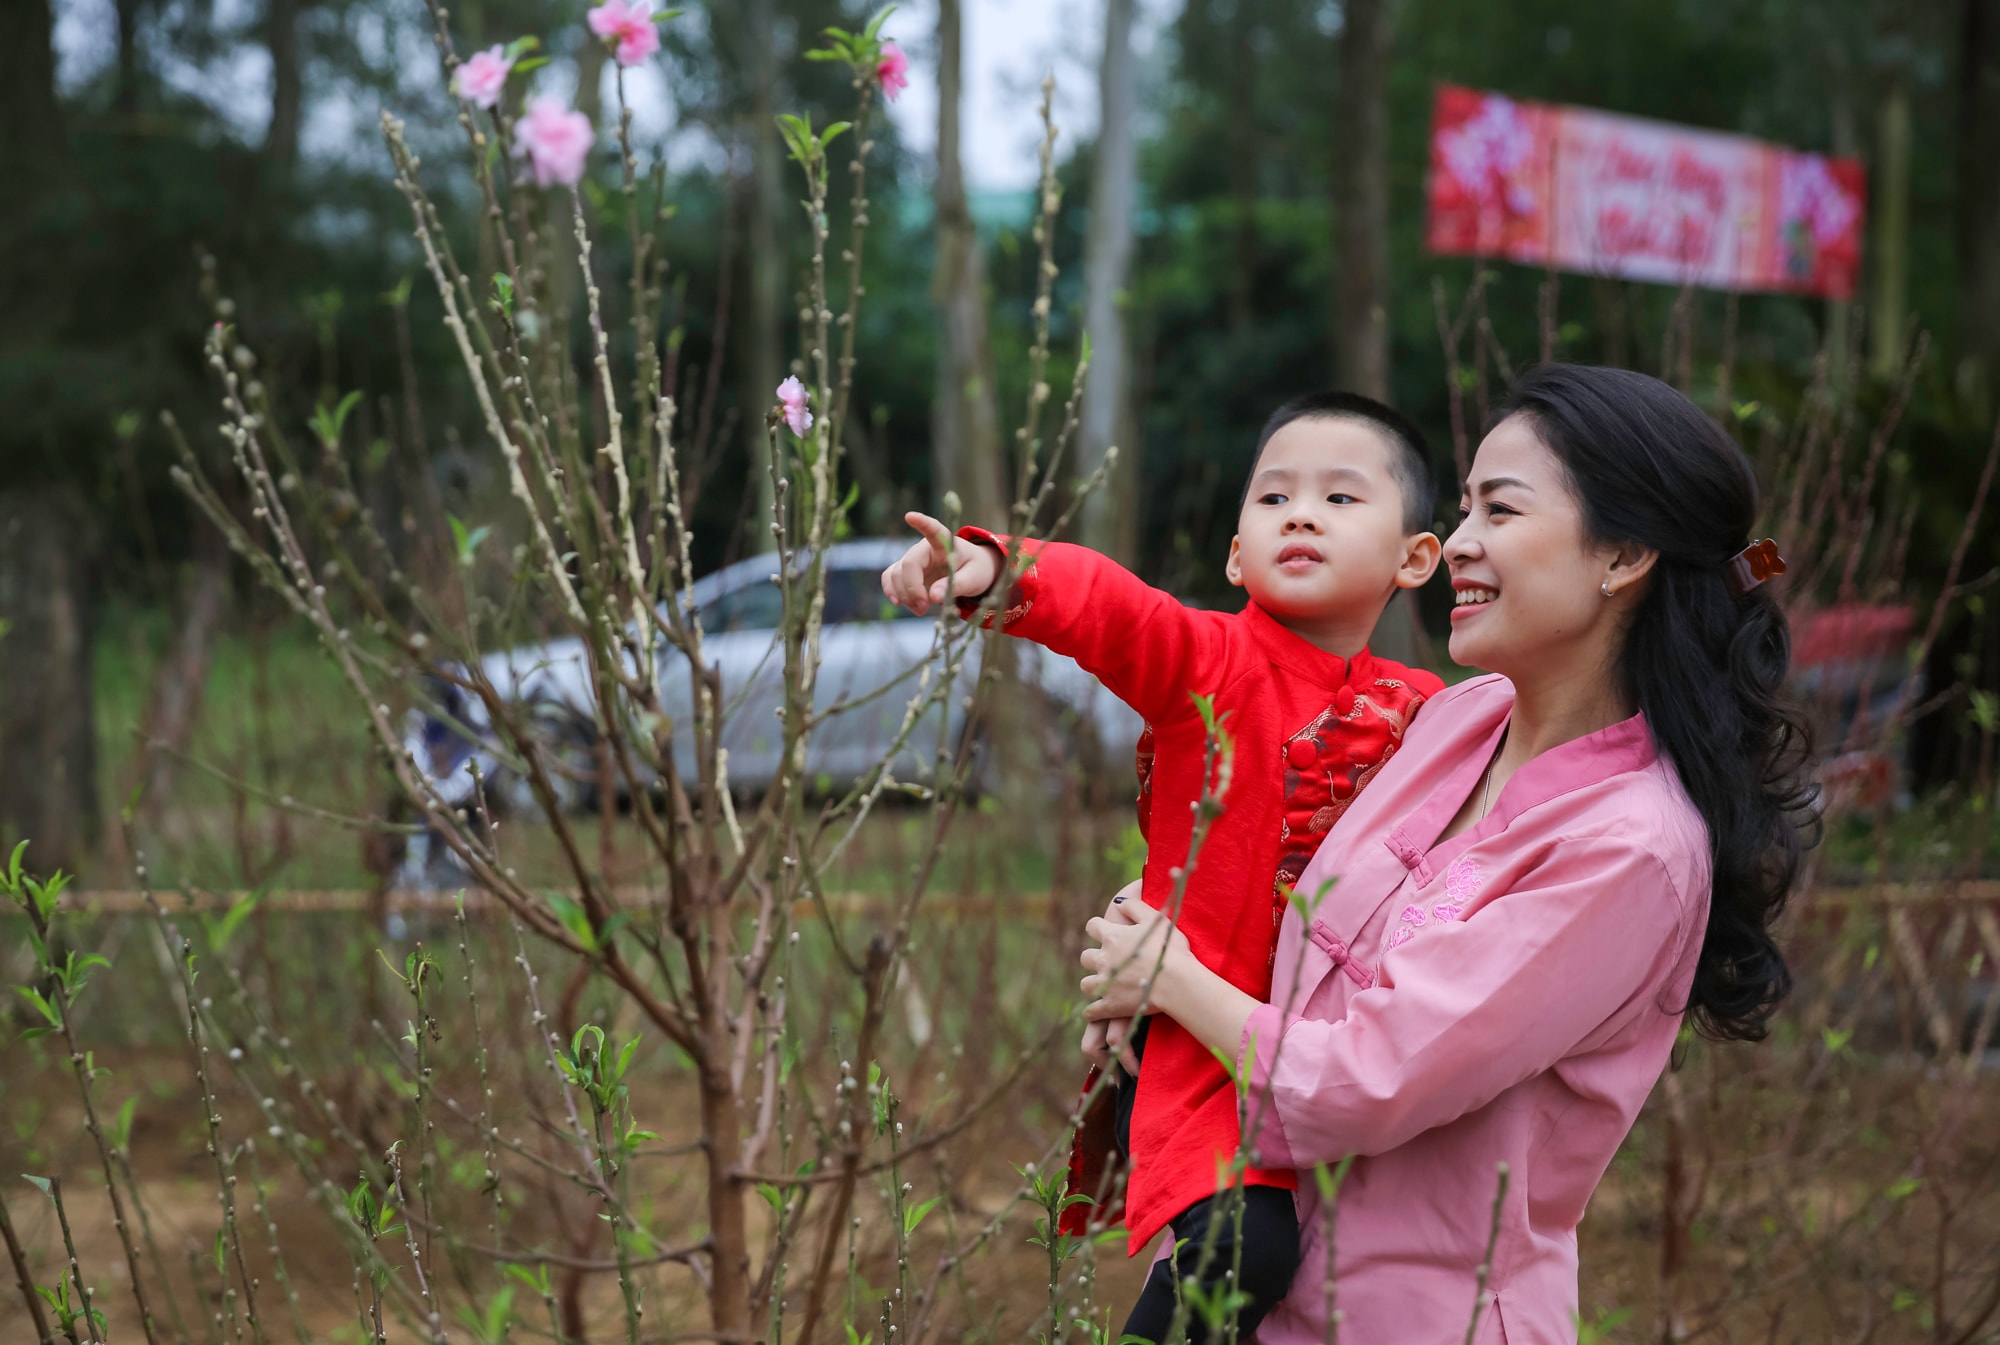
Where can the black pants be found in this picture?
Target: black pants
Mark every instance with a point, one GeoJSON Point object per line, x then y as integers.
{"type": "Point", "coordinates": [1269, 1246]}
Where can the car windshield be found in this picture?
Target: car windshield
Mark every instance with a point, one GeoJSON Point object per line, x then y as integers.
{"type": "Point", "coordinates": [852, 595]}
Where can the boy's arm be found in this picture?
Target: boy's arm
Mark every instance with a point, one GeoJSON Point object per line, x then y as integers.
{"type": "Point", "coordinates": [1148, 650]}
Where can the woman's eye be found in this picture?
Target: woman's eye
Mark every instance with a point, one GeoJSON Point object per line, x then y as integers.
{"type": "Point", "coordinates": [1463, 513]}
{"type": "Point", "coordinates": [1495, 510]}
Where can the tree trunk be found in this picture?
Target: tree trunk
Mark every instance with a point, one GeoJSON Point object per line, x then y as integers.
{"type": "Point", "coordinates": [281, 35]}
{"type": "Point", "coordinates": [1361, 202]}
{"type": "Point", "coordinates": [1106, 518]}
{"type": "Point", "coordinates": [1242, 141]}
{"type": "Point", "coordinates": [965, 418]}
{"type": "Point", "coordinates": [1890, 291]}
{"type": "Point", "coordinates": [182, 678]}
{"type": "Point", "coordinates": [48, 790]}
{"type": "Point", "coordinates": [1361, 250]}
{"type": "Point", "coordinates": [125, 98]}
{"type": "Point", "coordinates": [28, 87]}
{"type": "Point", "coordinates": [590, 61]}
{"type": "Point", "coordinates": [1978, 184]}
{"type": "Point", "coordinates": [767, 266]}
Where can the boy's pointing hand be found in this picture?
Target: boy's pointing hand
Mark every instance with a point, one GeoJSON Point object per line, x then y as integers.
{"type": "Point", "coordinates": [919, 578]}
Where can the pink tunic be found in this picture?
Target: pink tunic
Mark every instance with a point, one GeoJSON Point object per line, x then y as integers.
{"type": "Point", "coordinates": [1508, 996]}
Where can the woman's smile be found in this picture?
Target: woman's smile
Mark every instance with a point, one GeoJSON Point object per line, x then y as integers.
{"type": "Point", "coordinates": [1469, 597]}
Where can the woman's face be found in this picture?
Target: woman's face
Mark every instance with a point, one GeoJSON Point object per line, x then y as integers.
{"type": "Point", "coordinates": [1525, 579]}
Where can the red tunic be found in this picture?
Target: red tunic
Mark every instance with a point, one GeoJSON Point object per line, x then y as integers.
{"type": "Point", "coordinates": [1310, 729]}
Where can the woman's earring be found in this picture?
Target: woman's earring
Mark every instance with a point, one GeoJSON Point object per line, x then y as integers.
{"type": "Point", "coordinates": [1605, 589]}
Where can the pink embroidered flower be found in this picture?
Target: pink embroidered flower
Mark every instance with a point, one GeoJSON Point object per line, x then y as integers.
{"type": "Point", "coordinates": [1461, 884]}
{"type": "Point", "coordinates": [1413, 916]}
{"type": "Point", "coordinates": [1401, 935]}
{"type": "Point", "coordinates": [792, 396]}
{"type": "Point", "coordinates": [483, 77]}
{"type": "Point", "coordinates": [555, 141]}
{"type": "Point", "coordinates": [892, 71]}
{"type": "Point", "coordinates": [630, 23]}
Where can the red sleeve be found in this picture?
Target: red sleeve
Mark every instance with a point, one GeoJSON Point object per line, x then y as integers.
{"type": "Point", "coordinates": [1148, 650]}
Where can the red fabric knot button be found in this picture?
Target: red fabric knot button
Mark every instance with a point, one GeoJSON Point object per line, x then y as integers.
{"type": "Point", "coordinates": [1343, 702]}
{"type": "Point", "coordinates": [1302, 752]}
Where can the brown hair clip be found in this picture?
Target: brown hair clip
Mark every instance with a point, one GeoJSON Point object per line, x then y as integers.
{"type": "Point", "coordinates": [1754, 564]}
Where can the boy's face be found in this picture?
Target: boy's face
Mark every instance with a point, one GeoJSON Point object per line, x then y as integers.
{"type": "Point", "coordinates": [1321, 534]}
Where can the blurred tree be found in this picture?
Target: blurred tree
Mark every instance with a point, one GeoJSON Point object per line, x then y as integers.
{"type": "Point", "coordinates": [767, 264]}
{"type": "Point", "coordinates": [965, 418]}
{"type": "Point", "coordinates": [48, 790]}
{"type": "Point", "coordinates": [1979, 180]}
{"type": "Point", "coordinates": [1110, 516]}
{"type": "Point", "coordinates": [1361, 200]}
{"type": "Point", "coordinates": [281, 39]}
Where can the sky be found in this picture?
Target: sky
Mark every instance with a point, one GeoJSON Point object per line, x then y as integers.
{"type": "Point", "coordinates": [1009, 46]}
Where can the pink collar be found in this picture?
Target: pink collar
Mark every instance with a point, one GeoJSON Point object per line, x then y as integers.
{"type": "Point", "coordinates": [1618, 749]}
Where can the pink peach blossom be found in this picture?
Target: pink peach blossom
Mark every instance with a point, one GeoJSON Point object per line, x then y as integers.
{"type": "Point", "coordinates": [892, 71]}
{"type": "Point", "coordinates": [792, 396]}
{"type": "Point", "coordinates": [631, 23]}
{"type": "Point", "coordinates": [483, 77]}
{"type": "Point", "coordinates": [555, 141]}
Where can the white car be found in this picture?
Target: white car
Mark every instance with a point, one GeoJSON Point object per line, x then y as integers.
{"type": "Point", "coordinates": [866, 645]}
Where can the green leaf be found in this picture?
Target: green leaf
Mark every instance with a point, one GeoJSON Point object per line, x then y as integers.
{"type": "Point", "coordinates": [625, 1059]}
{"type": "Point", "coordinates": [874, 28]}
{"type": "Point", "coordinates": [532, 63]}
{"type": "Point", "coordinates": [34, 997]}
{"type": "Point", "coordinates": [221, 931]}
{"type": "Point", "coordinates": [40, 1183]}
{"type": "Point", "coordinates": [914, 1215]}
{"type": "Point", "coordinates": [576, 920]}
{"type": "Point", "coordinates": [1903, 1187]}
{"type": "Point", "coordinates": [520, 47]}
{"type": "Point", "coordinates": [539, 1282]}
{"type": "Point", "coordinates": [121, 1131]}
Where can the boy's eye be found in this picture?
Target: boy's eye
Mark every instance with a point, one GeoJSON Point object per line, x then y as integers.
{"type": "Point", "coordinates": [1272, 497]}
{"type": "Point", "coordinates": [1338, 498]}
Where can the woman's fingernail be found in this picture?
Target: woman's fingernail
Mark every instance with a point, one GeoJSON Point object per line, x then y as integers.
{"type": "Point", "coordinates": [1117, 899]}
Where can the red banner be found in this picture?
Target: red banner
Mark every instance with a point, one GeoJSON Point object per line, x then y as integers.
{"type": "Point", "coordinates": [1580, 190]}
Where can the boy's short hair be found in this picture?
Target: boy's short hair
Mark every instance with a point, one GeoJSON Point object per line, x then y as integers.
{"type": "Point", "coordinates": [1409, 457]}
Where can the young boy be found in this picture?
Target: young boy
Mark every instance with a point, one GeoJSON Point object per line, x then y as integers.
{"type": "Point", "coordinates": [1335, 518]}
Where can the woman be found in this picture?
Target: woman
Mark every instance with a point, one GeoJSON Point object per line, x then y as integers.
{"type": "Point", "coordinates": [1504, 933]}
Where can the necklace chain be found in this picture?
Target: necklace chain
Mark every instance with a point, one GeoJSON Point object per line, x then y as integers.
{"type": "Point", "coordinates": [1486, 798]}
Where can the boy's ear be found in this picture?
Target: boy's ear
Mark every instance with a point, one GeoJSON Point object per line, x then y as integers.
{"type": "Point", "coordinates": [1234, 569]}
{"type": "Point", "coordinates": [1420, 560]}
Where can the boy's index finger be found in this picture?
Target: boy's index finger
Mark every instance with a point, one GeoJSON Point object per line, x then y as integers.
{"type": "Point", "coordinates": [934, 532]}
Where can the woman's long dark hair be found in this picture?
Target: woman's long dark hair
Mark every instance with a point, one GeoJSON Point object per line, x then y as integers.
{"type": "Point", "coordinates": [1705, 663]}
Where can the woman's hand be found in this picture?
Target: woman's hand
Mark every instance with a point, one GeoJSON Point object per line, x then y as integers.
{"type": "Point", "coordinates": [1104, 1039]}
{"type": "Point", "coordinates": [1152, 949]}
{"type": "Point", "coordinates": [1127, 960]}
